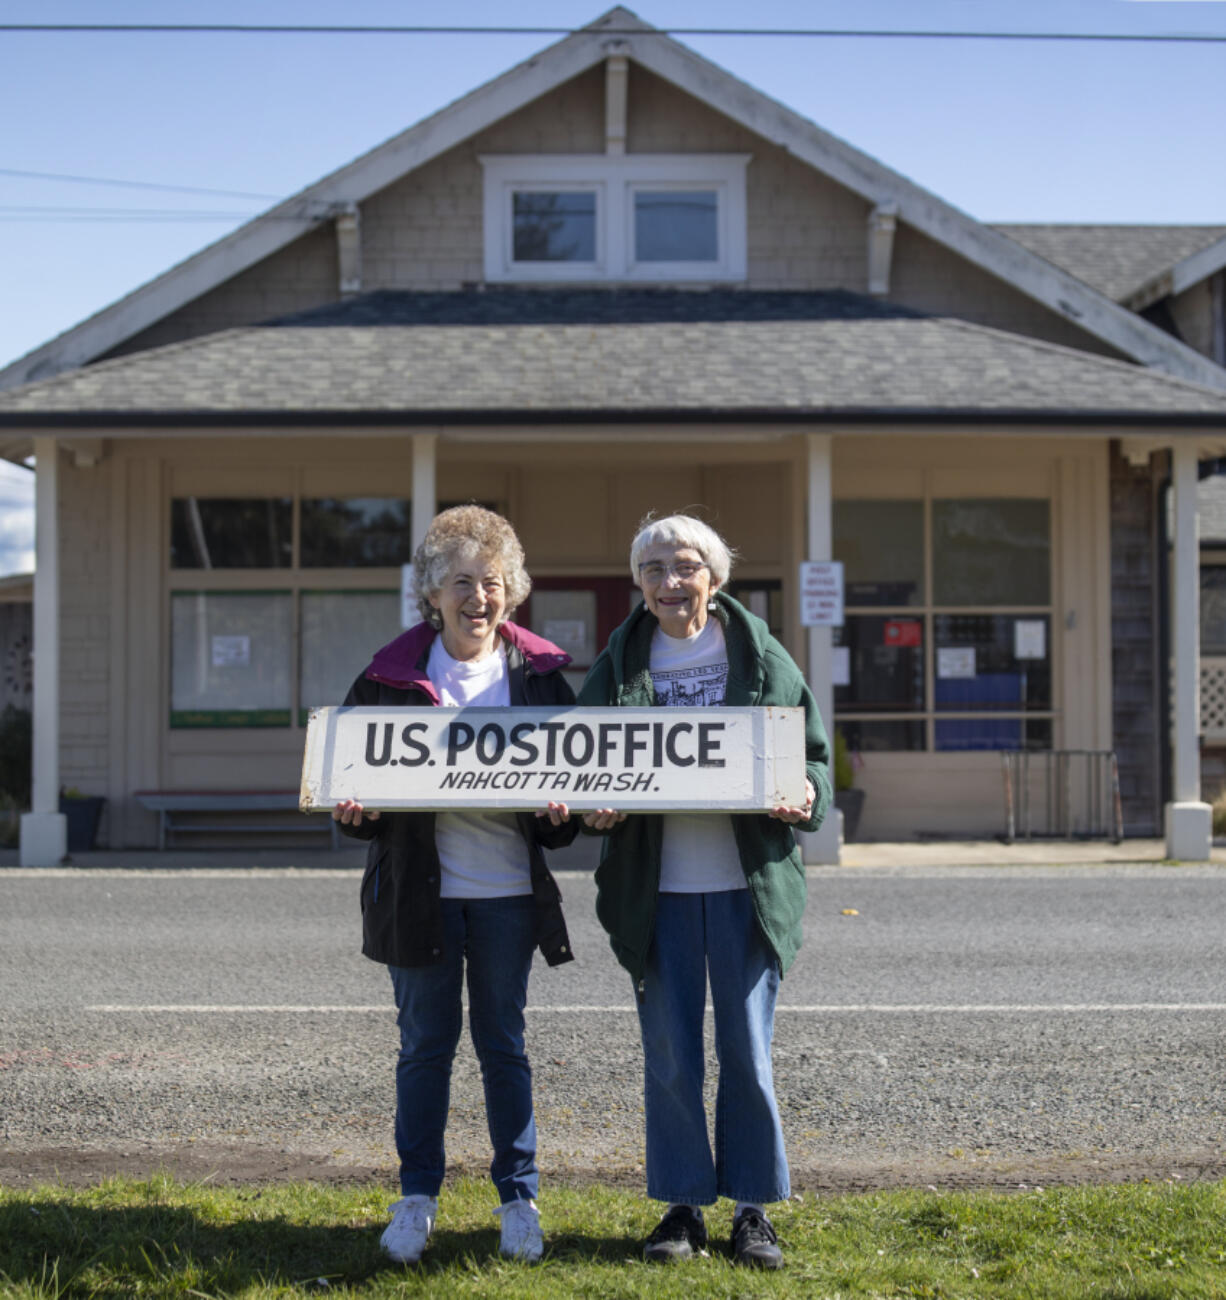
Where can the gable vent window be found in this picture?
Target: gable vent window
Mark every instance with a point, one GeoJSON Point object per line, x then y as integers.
{"type": "Point", "coordinates": [648, 218]}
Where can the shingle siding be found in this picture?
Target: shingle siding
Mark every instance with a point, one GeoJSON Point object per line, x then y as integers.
{"type": "Point", "coordinates": [1133, 649]}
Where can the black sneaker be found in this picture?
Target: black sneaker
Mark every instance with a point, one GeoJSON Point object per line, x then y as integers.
{"type": "Point", "coordinates": [679, 1234]}
{"type": "Point", "coordinates": [754, 1241]}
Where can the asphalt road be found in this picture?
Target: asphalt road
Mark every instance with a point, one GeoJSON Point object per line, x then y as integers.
{"type": "Point", "coordinates": [964, 1027]}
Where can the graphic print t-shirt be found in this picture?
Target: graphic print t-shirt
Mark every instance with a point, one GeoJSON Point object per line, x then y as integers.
{"type": "Point", "coordinates": [482, 854]}
{"type": "Point", "coordinates": [699, 855]}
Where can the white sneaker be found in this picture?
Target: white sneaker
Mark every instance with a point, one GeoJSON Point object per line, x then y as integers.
{"type": "Point", "coordinates": [521, 1231]}
{"type": "Point", "coordinates": [412, 1222]}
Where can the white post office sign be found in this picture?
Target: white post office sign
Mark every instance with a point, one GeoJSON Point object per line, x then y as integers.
{"type": "Point", "coordinates": [725, 760]}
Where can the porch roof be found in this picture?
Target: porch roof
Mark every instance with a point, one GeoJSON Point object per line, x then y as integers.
{"type": "Point", "coordinates": [532, 355]}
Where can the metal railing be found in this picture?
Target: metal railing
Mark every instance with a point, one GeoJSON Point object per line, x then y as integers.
{"type": "Point", "coordinates": [1097, 814]}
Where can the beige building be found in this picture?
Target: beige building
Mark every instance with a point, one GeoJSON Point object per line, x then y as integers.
{"type": "Point", "coordinates": [615, 280]}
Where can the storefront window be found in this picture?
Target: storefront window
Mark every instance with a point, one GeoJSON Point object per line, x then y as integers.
{"type": "Point", "coordinates": [230, 658]}
{"type": "Point", "coordinates": [340, 630]}
{"type": "Point", "coordinates": [991, 552]}
{"type": "Point", "coordinates": [899, 653]}
{"type": "Point", "coordinates": [231, 533]}
{"type": "Point", "coordinates": [357, 532]}
{"type": "Point", "coordinates": [1213, 609]}
{"type": "Point", "coordinates": [881, 547]}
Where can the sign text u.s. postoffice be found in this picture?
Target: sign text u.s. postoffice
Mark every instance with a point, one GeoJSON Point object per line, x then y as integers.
{"type": "Point", "coordinates": [654, 759]}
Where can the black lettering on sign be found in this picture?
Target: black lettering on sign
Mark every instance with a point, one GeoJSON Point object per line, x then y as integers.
{"type": "Point", "coordinates": [518, 741]}
{"type": "Point", "coordinates": [372, 736]}
{"type": "Point", "coordinates": [490, 753]}
{"type": "Point", "coordinates": [568, 747]}
{"type": "Point", "coordinates": [633, 743]}
{"type": "Point", "coordinates": [551, 730]}
{"type": "Point", "coordinates": [460, 737]}
{"type": "Point", "coordinates": [420, 752]}
{"type": "Point", "coordinates": [708, 745]}
{"type": "Point", "coordinates": [451, 779]}
{"type": "Point", "coordinates": [671, 744]}
{"type": "Point", "coordinates": [609, 732]}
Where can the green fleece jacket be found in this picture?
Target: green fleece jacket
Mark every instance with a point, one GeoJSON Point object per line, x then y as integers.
{"type": "Point", "coordinates": [760, 673]}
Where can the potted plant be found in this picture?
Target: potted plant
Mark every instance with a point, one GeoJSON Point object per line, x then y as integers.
{"type": "Point", "coordinates": [83, 812]}
{"type": "Point", "coordinates": [847, 798]}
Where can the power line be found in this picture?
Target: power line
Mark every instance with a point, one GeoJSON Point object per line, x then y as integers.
{"type": "Point", "coordinates": [19, 212]}
{"type": "Point", "coordinates": [248, 29]}
{"type": "Point", "coordinates": [135, 185]}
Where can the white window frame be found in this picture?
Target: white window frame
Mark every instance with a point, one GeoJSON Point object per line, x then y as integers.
{"type": "Point", "coordinates": [614, 178]}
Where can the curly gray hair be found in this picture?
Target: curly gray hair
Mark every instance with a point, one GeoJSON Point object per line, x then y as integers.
{"type": "Point", "coordinates": [466, 533]}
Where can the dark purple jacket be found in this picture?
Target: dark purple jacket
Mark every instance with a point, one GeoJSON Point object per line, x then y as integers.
{"type": "Point", "coordinates": [402, 920]}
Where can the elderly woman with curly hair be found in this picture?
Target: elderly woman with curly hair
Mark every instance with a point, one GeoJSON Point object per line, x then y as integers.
{"type": "Point", "coordinates": [450, 890]}
{"type": "Point", "coordinates": [687, 897]}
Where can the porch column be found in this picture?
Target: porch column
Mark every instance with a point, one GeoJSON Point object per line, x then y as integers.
{"type": "Point", "coordinates": [44, 829]}
{"type": "Point", "coordinates": [1189, 821]}
{"type": "Point", "coordinates": [425, 489]}
{"type": "Point", "coordinates": [822, 846]}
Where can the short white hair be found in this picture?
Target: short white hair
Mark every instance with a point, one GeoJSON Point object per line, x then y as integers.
{"type": "Point", "coordinates": [684, 530]}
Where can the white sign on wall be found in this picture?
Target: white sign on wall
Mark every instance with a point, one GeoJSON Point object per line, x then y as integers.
{"type": "Point", "coordinates": [821, 593]}
{"type": "Point", "coordinates": [955, 662]}
{"type": "Point", "coordinates": [718, 760]}
{"type": "Point", "coordinates": [231, 652]}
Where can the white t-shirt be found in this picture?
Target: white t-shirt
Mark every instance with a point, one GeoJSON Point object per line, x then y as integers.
{"type": "Point", "coordinates": [699, 853]}
{"type": "Point", "coordinates": [482, 854]}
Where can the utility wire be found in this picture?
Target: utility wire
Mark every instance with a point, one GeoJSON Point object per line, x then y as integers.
{"type": "Point", "coordinates": [135, 185]}
{"type": "Point", "coordinates": [246, 29]}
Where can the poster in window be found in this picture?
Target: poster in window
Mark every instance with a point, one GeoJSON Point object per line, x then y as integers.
{"type": "Point", "coordinates": [231, 652]}
{"type": "Point", "coordinates": [1030, 639]}
{"type": "Point", "coordinates": [955, 662]}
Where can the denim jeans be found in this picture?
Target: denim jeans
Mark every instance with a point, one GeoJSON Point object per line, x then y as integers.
{"type": "Point", "coordinates": [697, 935]}
{"type": "Point", "coordinates": [496, 938]}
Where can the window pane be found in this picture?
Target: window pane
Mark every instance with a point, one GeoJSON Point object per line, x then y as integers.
{"type": "Point", "coordinates": [676, 227]}
{"type": "Point", "coordinates": [1213, 609]}
{"type": "Point", "coordinates": [885, 736]}
{"type": "Point", "coordinates": [991, 552]}
{"type": "Point", "coordinates": [230, 659]}
{"type": "Point", "coordinates": [231, 533]}
{"type": "Point", "coordinates": [992, 661]}
{"type": "Point", "coordinates": [881, 547]}
{"type": "Point", "coordinates": [763, 597]}
{"type": "Point", "coordinates": [341, 630]}
{"type": "Point", "coordinates": [360, 532]}
{"type": "Point", "coordinates": [884, 665]}
{"type": "Point", "coordinates": [554, 226]}
{"type": "Point", "coordinates": [993, 733]}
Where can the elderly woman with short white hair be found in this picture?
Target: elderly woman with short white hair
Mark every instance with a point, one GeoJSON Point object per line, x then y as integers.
{"type": "Point", "coordinates": [447, 891]}
{"type": "Point", "coordinates": [687, 897]}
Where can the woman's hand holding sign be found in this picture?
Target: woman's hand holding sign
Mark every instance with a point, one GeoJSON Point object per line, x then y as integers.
{"type": "Point", "coordinates": [350, 813]}
{"type": "Point", "coordinates": [794, 815]}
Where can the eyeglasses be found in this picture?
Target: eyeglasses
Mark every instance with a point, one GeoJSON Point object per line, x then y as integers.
{"type": "Point", "coordinates": [653, 573]}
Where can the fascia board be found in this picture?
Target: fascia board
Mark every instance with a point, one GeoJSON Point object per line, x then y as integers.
{"type": "Point", "coordinates": [986, 248]}
{"type": "Point", "coordinates": [356, 181]}
{"type": "Point", "coordinates": [1198, 266]}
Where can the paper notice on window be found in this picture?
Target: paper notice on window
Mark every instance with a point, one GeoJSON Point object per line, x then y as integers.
{"type": "Point", "coordinates": [840, 665]}
{"type": "Point", "coordinates": [231, 652]}
{"type": "Point", "coordinates": [569, 634]}
{"type": "Point", "coordinates": [1030, 639]}
{"type": "Point", "coordinates": [955, 661]}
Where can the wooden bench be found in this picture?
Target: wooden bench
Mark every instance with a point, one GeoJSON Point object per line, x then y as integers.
{"type": "Point", "coordinates": [169, 804]}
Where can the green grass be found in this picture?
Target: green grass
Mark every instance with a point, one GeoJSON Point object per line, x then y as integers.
{"type": "Point", "coordinates": [161, 1238]}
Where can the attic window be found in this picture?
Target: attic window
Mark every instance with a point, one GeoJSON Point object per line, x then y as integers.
{"type": "Point", "coordinates": [646, 217]}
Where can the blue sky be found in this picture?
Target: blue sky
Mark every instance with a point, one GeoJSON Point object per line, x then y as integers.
{"type": "Point", "coordinates": [1016, 131]}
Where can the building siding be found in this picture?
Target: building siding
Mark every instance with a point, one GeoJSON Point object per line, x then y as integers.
{"type": "Point", "coordinates": [1134, 654]}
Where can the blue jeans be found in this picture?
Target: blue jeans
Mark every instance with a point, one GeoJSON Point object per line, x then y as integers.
{"type": "Point", "coordinates": [697, 935]}
{"type": "Point", "coordinates": [497, 937]}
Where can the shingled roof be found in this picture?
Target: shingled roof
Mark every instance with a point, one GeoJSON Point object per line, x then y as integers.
{"type": "Point", "coordinates": [528, 355]}
{"type": "Point", "coordinates": [1115, 260]}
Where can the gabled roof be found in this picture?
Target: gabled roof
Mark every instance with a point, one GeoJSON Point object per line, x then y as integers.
{"type": "Point", "coordinates": [515, 356]}
{"type": "Point", "coordinates": [1128, 263]}
{"type": "Point", "coordinates": [619, 32]}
